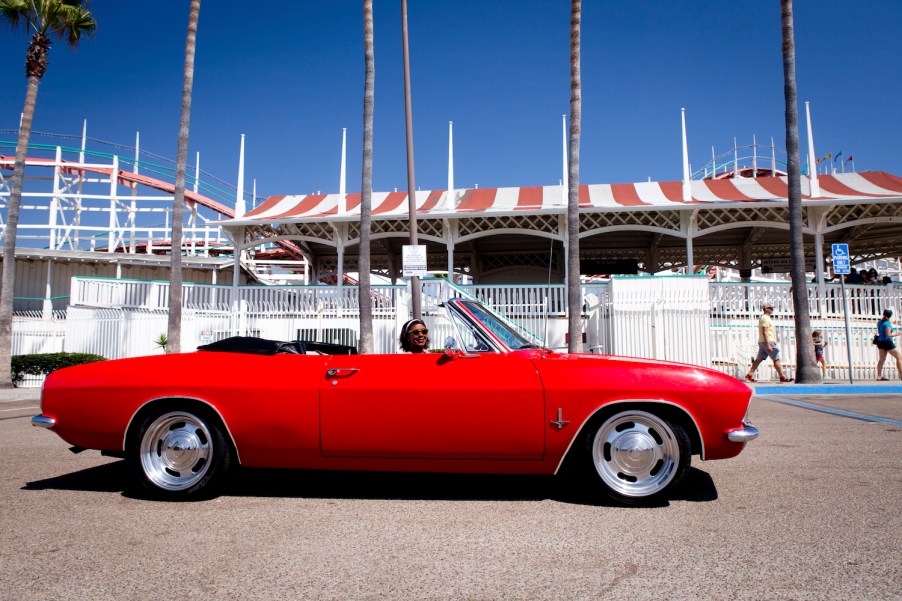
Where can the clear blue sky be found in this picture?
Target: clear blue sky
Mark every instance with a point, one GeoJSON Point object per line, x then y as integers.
{"type": "Point", "coordinates": [291, 78]}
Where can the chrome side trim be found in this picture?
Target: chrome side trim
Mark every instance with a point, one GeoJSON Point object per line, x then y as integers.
{"type": "Point", "coordinates": [621, 402]}
{"type": "Point", "coordinates": [749, 432]}
{"type": "Point", "coordinates": [42, 421]}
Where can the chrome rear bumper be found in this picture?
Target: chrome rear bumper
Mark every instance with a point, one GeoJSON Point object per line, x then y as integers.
{"type": "Point", "coordinates": [42, 421]}
{"type": "Point", "coordinates": [744, 434]}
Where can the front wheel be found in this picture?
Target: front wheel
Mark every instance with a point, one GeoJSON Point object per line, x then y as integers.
{"type": "Point", "coordinates": [181, 455]}
{"type": "Point", "coordinates": [640, 456]}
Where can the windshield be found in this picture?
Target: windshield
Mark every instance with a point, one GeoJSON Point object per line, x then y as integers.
{"type": "Point", "coordinates": [501, 330]}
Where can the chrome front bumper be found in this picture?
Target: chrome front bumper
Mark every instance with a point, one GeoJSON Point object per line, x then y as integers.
{"type": "Point", "coordinates": [745, 434]}
{"type": "Point", "coordinates": [42, 421]}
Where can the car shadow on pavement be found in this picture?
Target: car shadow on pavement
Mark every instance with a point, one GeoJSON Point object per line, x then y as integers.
{"type": "Point", "coordinates": [109, 477]}
{"type": "Point", "coordinates": [114, 477]}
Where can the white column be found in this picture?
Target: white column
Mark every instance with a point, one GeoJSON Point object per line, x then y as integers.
{"type": "Point", "coordinates": [239, 196]}
{"type": "Point", "coordinates": [114, 182]}
{"type": "Point", "coordinates": [450, 227]}
{"type": "Point", "coordinates": [819, 267]}
{"type": "Point", "coordinates": [134, 204]}
{"type": "Point", "coordinates": [48, 291]}
{"type": "Point", "coordinates": [688, 227]}
{"type": "Point", "coordinates": [342, 185]}
{"type": "Point", "coordinates": [812, 173]}
{"type": "Point", "coordinates": [687, 185]}
{"type": "Point", "coordinates": [237, 244]}
{"type": "Point", "coordinates": [340, 267]}
{"type": "Point", "coordinates": [54, 201]}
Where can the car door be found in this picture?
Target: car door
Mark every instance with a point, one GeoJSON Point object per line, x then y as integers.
{"type": "Point", "coordinates": [485, 406]}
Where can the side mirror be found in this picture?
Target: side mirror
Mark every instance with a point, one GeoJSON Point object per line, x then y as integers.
{"type": "Point", "coordinates": [451, 348]}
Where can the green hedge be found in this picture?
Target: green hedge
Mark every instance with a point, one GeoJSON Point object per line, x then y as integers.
{"type": "Point", "coordinates": [45, 363]}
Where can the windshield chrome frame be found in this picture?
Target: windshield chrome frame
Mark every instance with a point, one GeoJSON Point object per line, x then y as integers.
{"type": "Point", "coordinates": [458, 306]}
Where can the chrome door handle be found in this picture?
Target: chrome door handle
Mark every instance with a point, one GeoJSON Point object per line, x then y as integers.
{"type": "Point", "coordinates": [341, 371]}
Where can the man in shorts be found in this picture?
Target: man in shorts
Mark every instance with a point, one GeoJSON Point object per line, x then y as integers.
{"type": "Point", "coordinates": [767, 345]}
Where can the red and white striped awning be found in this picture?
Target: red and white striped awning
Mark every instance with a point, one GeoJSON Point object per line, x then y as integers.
{"type": "Point", "coordinates": [871, 185]}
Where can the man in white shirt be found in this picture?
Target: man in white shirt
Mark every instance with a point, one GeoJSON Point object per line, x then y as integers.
{"type": "Point", "coordinates": [767, 345]}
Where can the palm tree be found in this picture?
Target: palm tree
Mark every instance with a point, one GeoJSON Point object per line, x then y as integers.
{"type": "Point", "coordinates": [365, 300]}
{"type": "Point", "coordinates": [174, 331]}
{"type": "Point", "coordinates": [807, 370]}
{"type": "Point", "coordinates": [68, 20]}
{"type": "Point", "coordinates": [574, 307]}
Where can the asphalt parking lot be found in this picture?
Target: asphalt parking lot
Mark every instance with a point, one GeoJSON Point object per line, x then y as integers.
{"type": "Point", "coordinates": [811, 510]}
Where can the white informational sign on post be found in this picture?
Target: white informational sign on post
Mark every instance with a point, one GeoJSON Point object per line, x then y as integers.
{"type": "Point", "coordinates": [842, 266]}
{"type": "Point", "coordinates": [413, 261]}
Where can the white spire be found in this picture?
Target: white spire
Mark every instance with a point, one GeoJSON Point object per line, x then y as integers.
{"type": "Point", "coordinates": [84, 139]}
{"type": "Point", "coordinates": [687, 185]}
{"type": "Point", "coordinates": [137, 151]}
{"type": "Point", "coordinates": [239, 195]}
{"type": "Point", "coordinates": [342, 184]}
{"type": "Point", "coordinates": [450, 199]}
{"type": "Point", "coordinates": [812, 172]}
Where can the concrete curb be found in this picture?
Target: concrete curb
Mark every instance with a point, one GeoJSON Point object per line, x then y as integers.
{"type": "Point", "coordinates": [790, 389]}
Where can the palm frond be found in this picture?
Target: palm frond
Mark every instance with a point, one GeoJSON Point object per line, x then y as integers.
{"type": "Point", "coordinates": [14, 12]}
{"type": "Point", "coordinates": [75, 22]}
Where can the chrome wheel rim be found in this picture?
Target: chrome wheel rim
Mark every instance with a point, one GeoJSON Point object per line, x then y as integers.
{"type": "Point", "coordinates": [176, 450]}
{"type": "Point", "coordinates": [636, 454]}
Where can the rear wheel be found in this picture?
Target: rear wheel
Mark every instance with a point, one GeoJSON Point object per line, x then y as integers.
{"type": "Point", "coordinates": [640, 457]}
{"type": "Point", "coordinates": [181, 455]}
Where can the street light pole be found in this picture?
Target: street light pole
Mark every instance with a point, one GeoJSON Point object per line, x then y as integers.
{"type": "Point", "coordinates": [411, 186]}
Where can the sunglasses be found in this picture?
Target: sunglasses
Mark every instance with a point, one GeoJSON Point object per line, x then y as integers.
{"type": "Point", "coordinates": [423, 332]}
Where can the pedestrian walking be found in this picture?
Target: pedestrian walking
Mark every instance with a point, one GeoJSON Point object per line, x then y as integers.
{"type": "Point", "coordinates": [885, 344]}
{"type": "Point", "coordinates": [767, 345]}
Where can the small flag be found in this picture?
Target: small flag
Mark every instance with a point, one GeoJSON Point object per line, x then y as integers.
{"type": "Point", "coordinates": [817, 160]}
{"type": "Point", "coordinates": [850, 158]}
{"type": "Point", "coordinates": [837, 156]}
{"type": "Point", "coordinates": [829, 155]}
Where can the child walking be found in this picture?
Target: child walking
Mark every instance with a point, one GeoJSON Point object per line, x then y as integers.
{"type": "Point", "coordinates": [819, 344]}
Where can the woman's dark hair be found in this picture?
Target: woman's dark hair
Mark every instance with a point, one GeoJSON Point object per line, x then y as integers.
{"type": "Point", "coordinates": [404, 339]}
{"type": "Point", "coordinates": [887, 313]}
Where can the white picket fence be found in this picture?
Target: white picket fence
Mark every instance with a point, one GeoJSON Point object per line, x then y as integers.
{"type": "Point", "coordinates": [686, 319]}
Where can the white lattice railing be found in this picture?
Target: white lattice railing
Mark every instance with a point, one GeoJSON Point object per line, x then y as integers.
{"type": "Point", "coordinates": [122, 318]}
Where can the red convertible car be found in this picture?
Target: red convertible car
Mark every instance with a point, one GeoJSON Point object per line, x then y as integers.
{"type": "Point", "coordinates": [490, 403]}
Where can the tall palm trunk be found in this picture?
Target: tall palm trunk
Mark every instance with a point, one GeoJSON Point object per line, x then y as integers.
{"type": "Point", "coordinates": [806, 370]}
{"type": "Point", "coordinates": [174, 335]}
{"type": "Point", "coordinates": [574, 305]}
{"type": "Point", "coordinates": [7, 293]}
{"type": "Point", "coordinates": [365, 299]}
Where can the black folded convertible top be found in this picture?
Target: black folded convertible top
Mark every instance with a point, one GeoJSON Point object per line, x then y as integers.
{"type": "Point", "coordinates": [262, 346]}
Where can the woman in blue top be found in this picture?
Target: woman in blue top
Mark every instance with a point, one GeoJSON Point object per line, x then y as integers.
{"type": "Point", "coordinates": [885, 335]}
